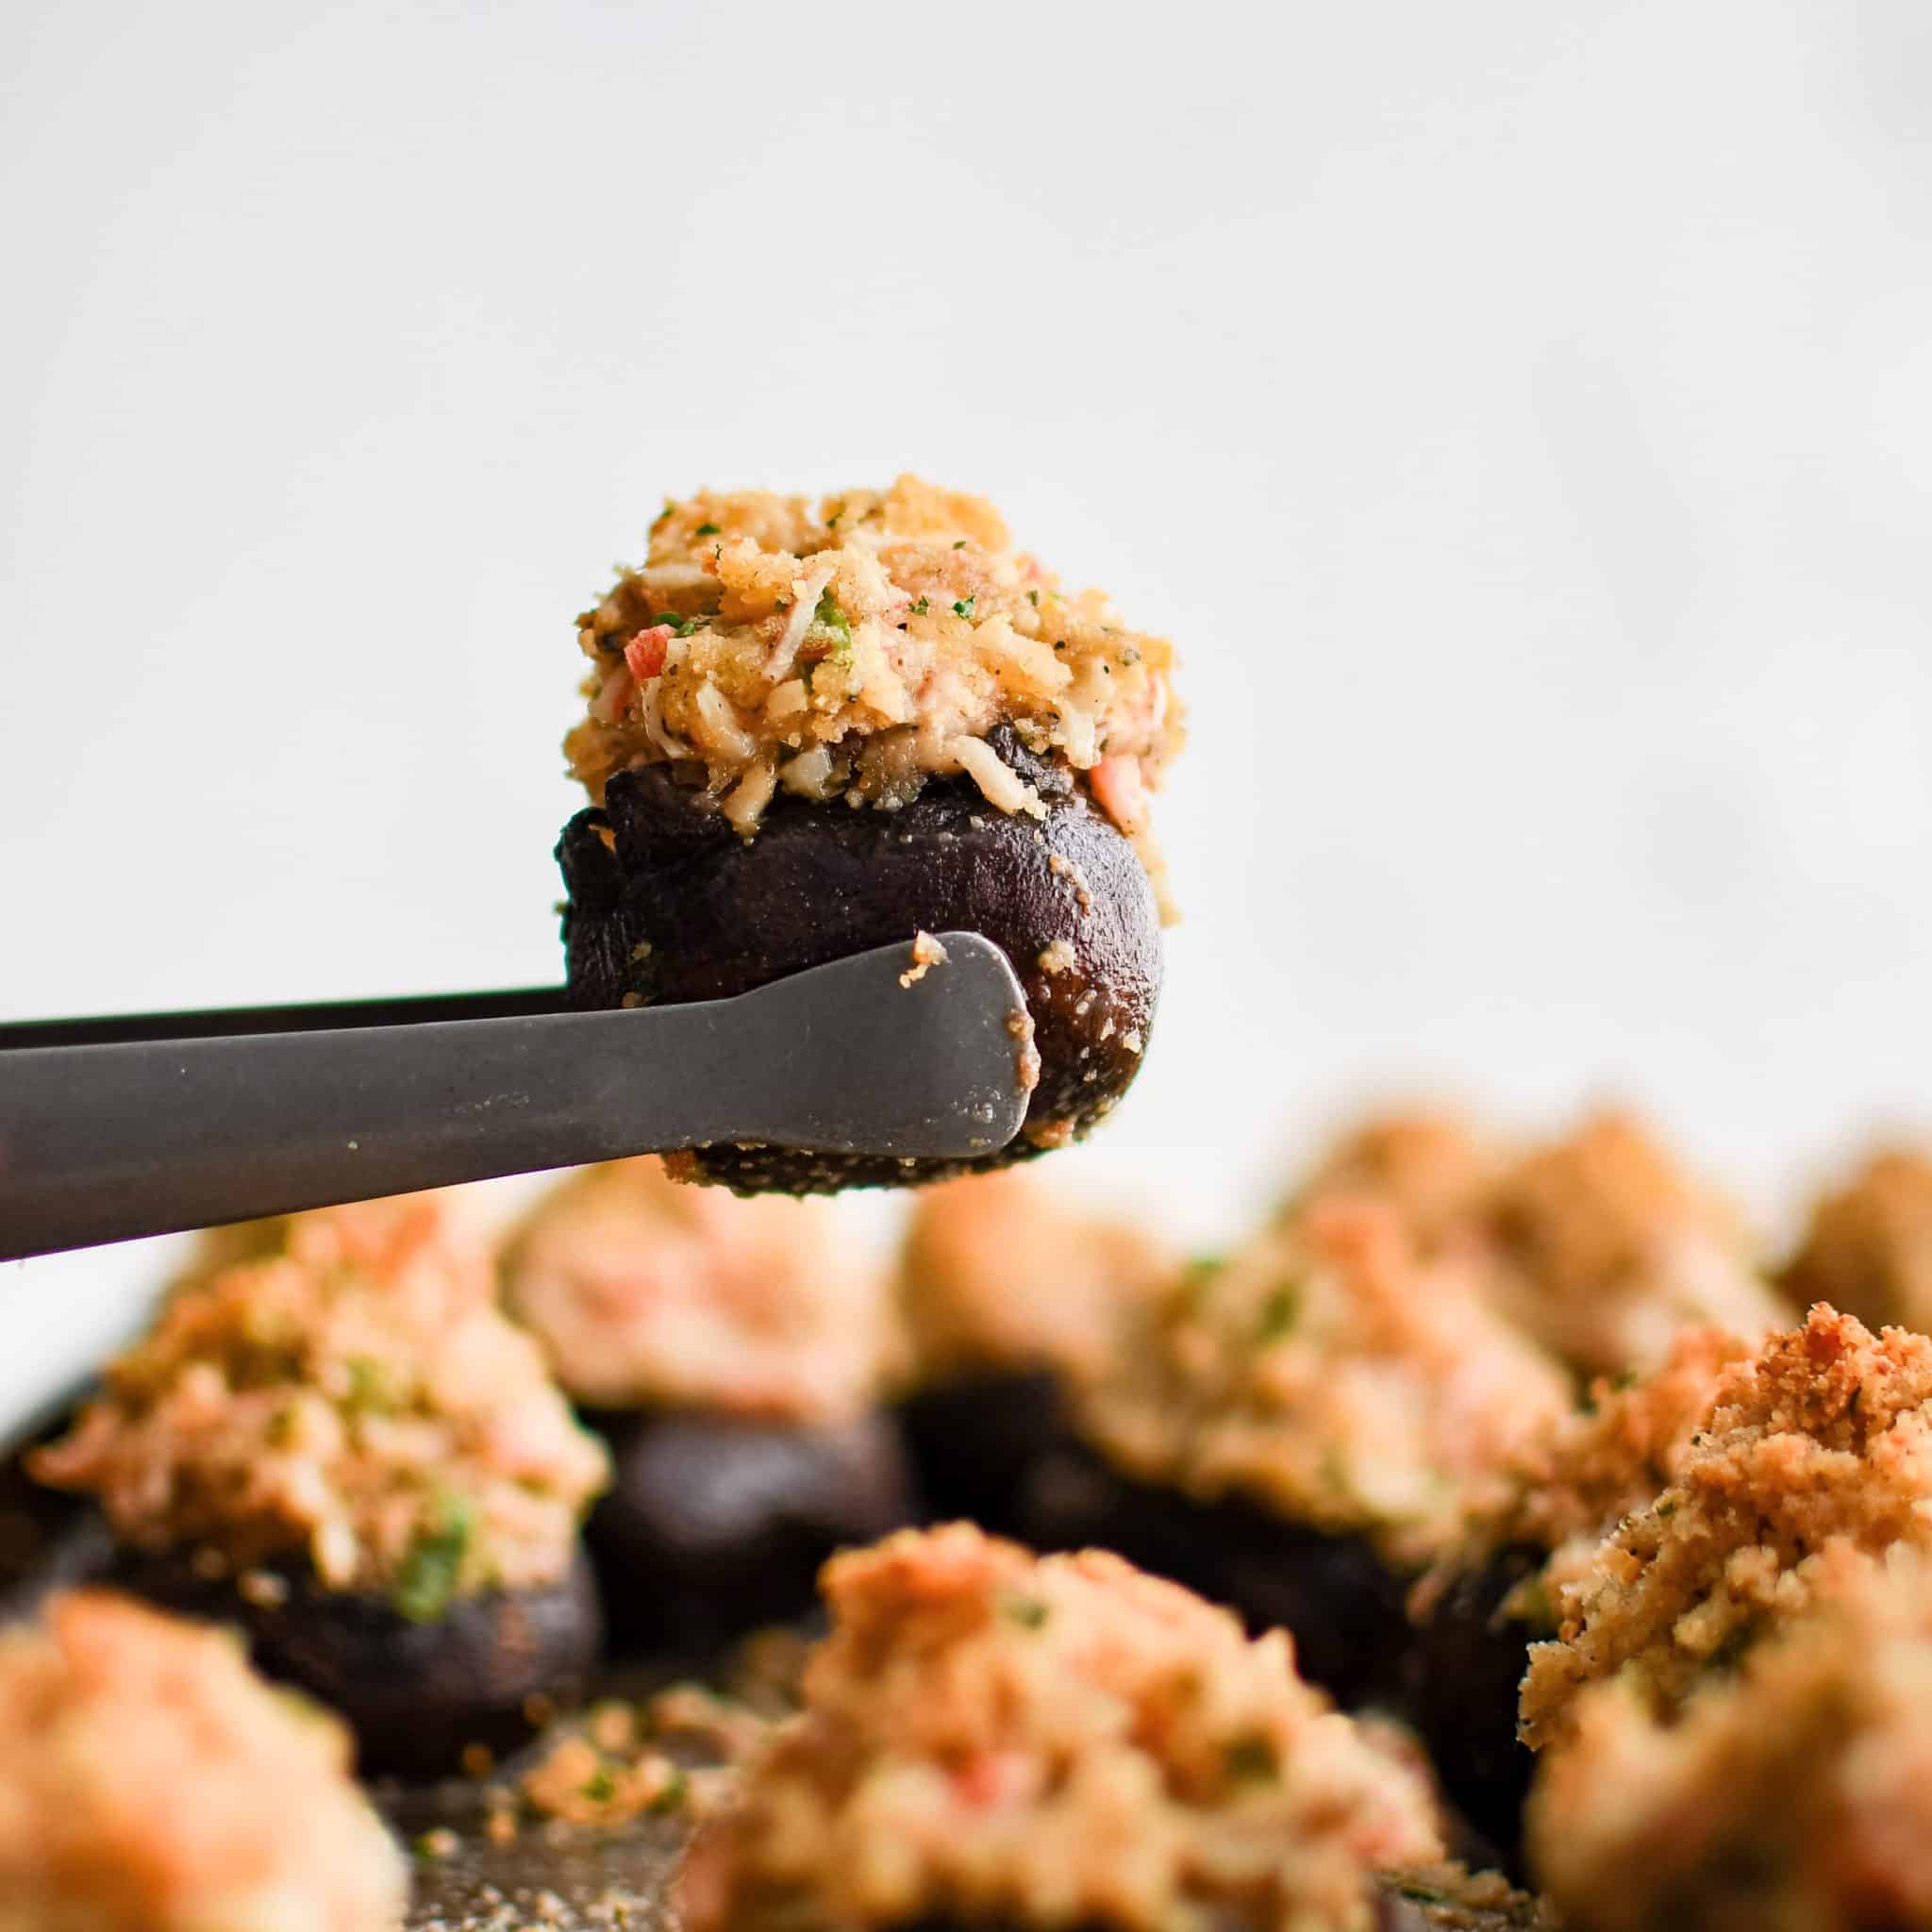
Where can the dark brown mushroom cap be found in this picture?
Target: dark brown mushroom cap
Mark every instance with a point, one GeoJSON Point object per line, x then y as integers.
{"type": "Point", "coordinates": [414, 1693]}
{"type": "Point", "coordinates": [716, 1524]}
{"type": "Point", "coordinates": [669, 905]}
{"type": "Point", "coordinates": [1331, 1591]}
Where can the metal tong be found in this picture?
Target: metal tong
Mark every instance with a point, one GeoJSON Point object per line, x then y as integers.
{"type": "Point", "coordinates": [114, 1129]}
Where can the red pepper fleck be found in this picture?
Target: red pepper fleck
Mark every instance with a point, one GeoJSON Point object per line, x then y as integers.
{"type": "Point", "coordinates": [644, 654]}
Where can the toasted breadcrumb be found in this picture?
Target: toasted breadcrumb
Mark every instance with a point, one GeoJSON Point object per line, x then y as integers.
{"type": "Point", "coordinates": [1824, 1435]}
{"type": "Point", "coordinates": [1868, 1250]}
{"type": "Point", "coordinates": [1605, 1247]}
{"type": "Point", "coordinates": [1575, 1484]}
{"type": "Point", "coordinates": [856, 648]}
{"type": "Point", "coordinates": [1795, 1795]}
{"type": "Point", "coordinates": [151, 1780]}
{"type": "Point", "coordinates": [352, 1398]}
{"type": "Point", "coordinates": [644, 1292]}
{"type": "Point", "coordinates": [988, 1734]}
{"type": "Point", "coordinates": [1333, 1375]}
{"type": "Point", "coordinates": [997, 1272]}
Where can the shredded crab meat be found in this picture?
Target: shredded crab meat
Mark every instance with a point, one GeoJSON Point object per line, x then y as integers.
{"type": "Point", "coordinates": [150, 1780]}
{"type": "Point", "coordinates": [643, 1293]}
{"type": "Point", "coordinates": [763, 629]}
{"type": "Point", "coordinates": [341, 1387]}
{"type": "Point", "coordinates": [988, 1735]}
{"type": "Point", "coordinates": [1333, 1374]}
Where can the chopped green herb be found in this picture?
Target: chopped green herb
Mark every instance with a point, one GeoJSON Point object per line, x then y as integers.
{"type": "Point", "coordinates": [1026, 1611]}
{"type": "Point", "coordinates": [1280, 1312]}
{"type": "Point", "coordinates": [958, 543]}
{"type": "Point", "coordinates": [1196, 1276]}
{"type": "Point", "coordinates": [920, 608]}
{"type": "Point", "coordinates": [368, 1384]}
{"type": "Point", "coordinates": [1251, 1759]}
{"type": "Point", "coordinates": [599, 1788]}
{"type": "Point", "coordinates": [829, 617]}
{"type": "Point", "coordinates": [706, 530]}
{"type": "Point", "coordinates": [664, 514]}
{"type": "Point", "coordinates": [1033, 598]}
{"type": "Point", "coordinates": [432, 1571]}
{"type": "Point", "coordinates": [683, 627]}
{"type": "Point", "coordinates": [674, 1794]}
{"type": "Point", "coordinates": [964, 606]}
{"type": "Point", "coordinates": [832, 521]}
{"type": "Point", "coordinates": [1418, 1893]}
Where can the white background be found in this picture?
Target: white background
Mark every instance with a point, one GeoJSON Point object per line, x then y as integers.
{"type": "Point", "coordinates": [1521, 415]}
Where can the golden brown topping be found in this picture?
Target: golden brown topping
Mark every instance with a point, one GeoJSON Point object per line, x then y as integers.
{"type": "Point", "coordinates": [1869, 1248]}
{"type": "Point", "coordinates": [646, 1292]}
{"type": "Point", "coordinates": [355, 1401]}
{"type": "Point", "coordinates": [150, 1780]}
{"type": "Point", "coordinates": [1606, 1247]}
{"type": "Point", "coordinates": [1794, 1796]}
{"type": "Point", "coordinates": [1335, 1377]}
{"type": "Point", "coordinates": [1057, 1740]}
{"type": "Point", "coordinates": [856, 648]}
{"type": "Point", "coordinates": [996, 1271]}
{"type": "Point", "coordinates": [1602, 1463]}
{"type": "Point", "coordinates": [1434, 1168]}
{"type": "Point", "coordinates": [1824, 1435]}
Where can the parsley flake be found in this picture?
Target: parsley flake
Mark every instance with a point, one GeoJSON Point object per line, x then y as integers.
{"type": "Point", "coordinates": [920, 608]}
{"type": "Point", "coordinates": [432, 1571]}
{"type": "Point", "coordinates": [964, 606]}
{"type": "Point", "coordinates": [705, 530]}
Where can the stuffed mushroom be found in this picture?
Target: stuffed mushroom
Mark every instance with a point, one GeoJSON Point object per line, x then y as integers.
{"type": "Point", "coordinates": [1299, 1430]}
{"type": "Point", "coordinates": [810, 731]}
{"type": "Point", "coordinates": [1010, 1300]}
{"type": "Point", "coordinates": [343, 1448]}
{"type": "Point", "coordinates": [1502, 1585]}
{"type": "Point", "coordinates": [732, 1351]}
{"type": "Point", "coordinates": [150, 1782]}
{"type": "Point", "coordinates": [992, 1739]}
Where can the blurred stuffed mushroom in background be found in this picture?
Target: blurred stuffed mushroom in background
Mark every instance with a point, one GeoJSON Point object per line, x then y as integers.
{"type": "Point", "coordinates": [338, 1444]}
{"type": "Point", "coordinates": [733, 1353]}
{"type": "Point", "coordinates": [811, 731]}
{"type": "Point", "coordinates": [1010, 1300]}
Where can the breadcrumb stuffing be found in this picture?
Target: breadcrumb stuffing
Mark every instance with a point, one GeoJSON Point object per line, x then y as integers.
{"type": "Point", "coordinates": [353, 1398]}
{"type": "Point", "coordinates": [1333, 1375]}
{"type": "Point", "coordinates": [997, 1272]}
{"type": "Point", "coordinates": [858, 647]}
{"type": "Point", "coordinates": [151, 1780]}
{"type": "Point", "coordinates": [988, 1734]}
{"type": "Point", "coordinates": [1795, 1795]}
{"type": "Point", "coordinates": [1868, 1250]}
{"type": "Point", "coordinates": [646, 1292]}
{"type": "Point", "coordinates": [1431, 1165]}
{"type": "Point", "coordinates": [1824, 1435]}
{"type": "Point", "coordinates": [1605, 1247]}
{"type": "Point", "coordinates": [1573, 1485]}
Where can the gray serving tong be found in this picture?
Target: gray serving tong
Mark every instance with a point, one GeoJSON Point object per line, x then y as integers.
{"type": "Point", "coordinates": [118, 1127]}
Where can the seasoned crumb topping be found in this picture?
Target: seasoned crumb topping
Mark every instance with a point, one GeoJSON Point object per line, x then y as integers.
{"type": "Point", "coordinates": [1606, 1247]}
{"type": "Point", "coordinates": [355, 1399]}
{"type": "Point", "coordinates": [997, 1272]}
{"type": "Point", "coordinates": [1598, 1464]}
{"type": "Point", "coordinates": [856, 649]}
{"type": "Point", "coordinates": [644, 1292]}
{"type": "Point", "coordinates": [1432, 1166]}
{"type": "Point", "coordinates": [1824, 1435]}
{"type": "Point", "coordinates": [149, 1782]}
{"type": "Point", "coordinates": [1869, 1247]}
{"type": "Point", "coordinates": [1452, 1898]}
{"type": "Point", "coordinates": [1334, 1375]}
{"type": "Point", "coordinates": [989, 1734]}
{"type": "Point", "coordinates": [1792, 1797]}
